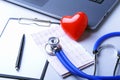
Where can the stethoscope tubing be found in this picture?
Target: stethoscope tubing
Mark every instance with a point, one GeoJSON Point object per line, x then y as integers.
{"type": "Point", "coordinates": [74, 70]}
{"type": "Point", "coordinates": [103, 38]}
{"type": "Point", "coordinates": [58, 54]}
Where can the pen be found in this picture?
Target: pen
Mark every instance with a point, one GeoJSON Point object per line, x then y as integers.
{"type": "Point", "coordinates": [19, 57]}
{"type": "Point", "coordinates": [44, 70]}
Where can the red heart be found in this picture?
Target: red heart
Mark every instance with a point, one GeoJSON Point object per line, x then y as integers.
{"type": "Point", "coordinates": [75, 25]}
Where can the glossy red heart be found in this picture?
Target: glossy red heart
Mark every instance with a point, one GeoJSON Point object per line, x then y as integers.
{"type": "Point", "coordinates": [75, 25]}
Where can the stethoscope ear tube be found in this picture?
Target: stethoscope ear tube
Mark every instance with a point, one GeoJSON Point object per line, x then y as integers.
{"type": "Point", "coordinates": [99, 51]}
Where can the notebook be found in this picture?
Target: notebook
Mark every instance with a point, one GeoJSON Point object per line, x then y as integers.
{"type": "Point", "coordinates": [96, 10]}
{"type": "Point", "coordinates": [78, 55]}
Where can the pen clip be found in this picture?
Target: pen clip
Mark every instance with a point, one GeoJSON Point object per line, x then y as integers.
{"type": "Point", "coordinates": [35, 21]}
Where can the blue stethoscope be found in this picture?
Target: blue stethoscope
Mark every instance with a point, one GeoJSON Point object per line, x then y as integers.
{"type": "Point", "coordinates": [53, 48]}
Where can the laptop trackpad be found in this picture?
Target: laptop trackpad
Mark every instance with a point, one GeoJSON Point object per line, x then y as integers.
{"type": "Point", "coordinates": [36, 2]}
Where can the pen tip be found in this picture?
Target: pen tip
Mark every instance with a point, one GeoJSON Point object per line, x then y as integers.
{"type": "Point", "coordinates": [23, 34]}
{"type": "Point", "coordinates": [17, 69]}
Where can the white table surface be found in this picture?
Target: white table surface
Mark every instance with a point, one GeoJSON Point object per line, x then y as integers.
{"type": "Point", "coordinates": [111, 24]}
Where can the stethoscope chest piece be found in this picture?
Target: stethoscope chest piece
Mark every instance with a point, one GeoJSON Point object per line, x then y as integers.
{"type": "Point", "coordinates": [52, 46]}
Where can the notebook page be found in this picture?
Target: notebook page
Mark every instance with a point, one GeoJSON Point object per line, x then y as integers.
{"type": "Point", "coordinates": [73, 50]}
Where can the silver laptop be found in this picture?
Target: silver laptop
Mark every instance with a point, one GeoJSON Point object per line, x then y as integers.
{"type": "Point", "coordinates": [96, 10]}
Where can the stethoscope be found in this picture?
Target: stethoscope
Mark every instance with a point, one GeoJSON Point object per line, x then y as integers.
{"type": "Point", "coordinates": [53, 48]}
